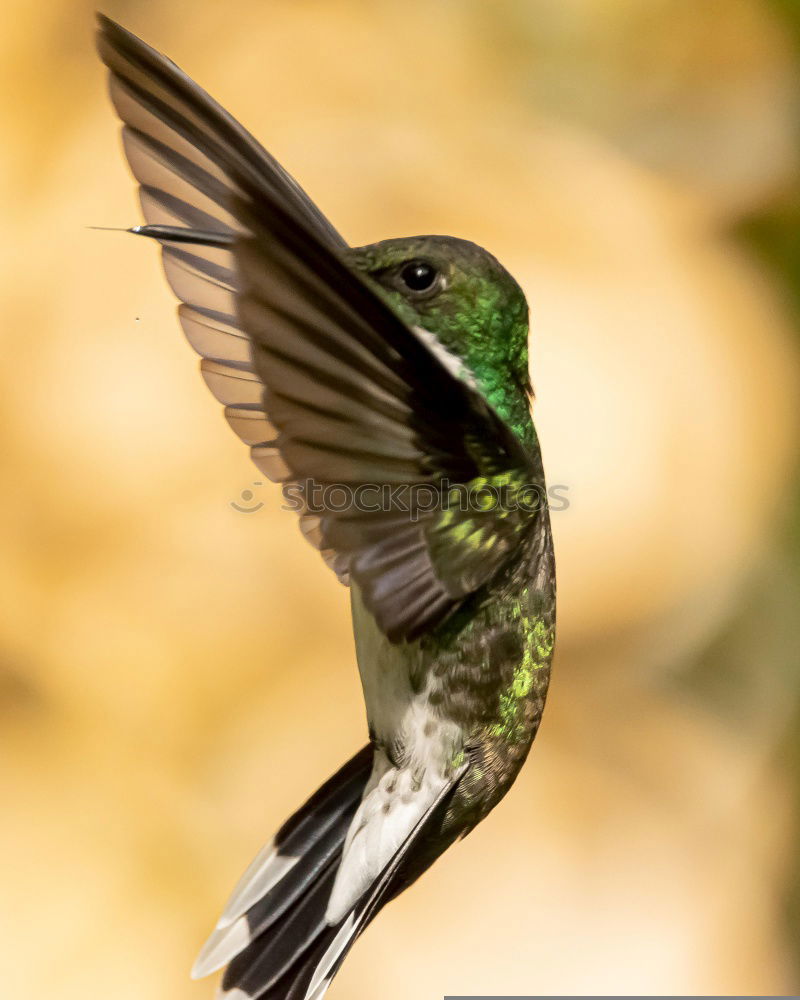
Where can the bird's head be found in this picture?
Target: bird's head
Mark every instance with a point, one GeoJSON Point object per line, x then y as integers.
{"type": "Point", "coordinates": [461, 299]}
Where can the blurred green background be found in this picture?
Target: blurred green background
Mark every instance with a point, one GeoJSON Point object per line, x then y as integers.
{"type": "Point", "coordinates": [176, 676]}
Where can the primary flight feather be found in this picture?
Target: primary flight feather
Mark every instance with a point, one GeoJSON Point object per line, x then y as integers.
{"type": "Point", "coordinates": [393, 377]}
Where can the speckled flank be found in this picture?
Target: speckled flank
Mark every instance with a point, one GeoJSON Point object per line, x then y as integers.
{"type": "Point", "coordinates": [538, 650]}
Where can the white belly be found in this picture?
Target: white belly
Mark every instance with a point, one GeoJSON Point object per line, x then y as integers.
{"type": "Point", "coordinates": [417, 751]}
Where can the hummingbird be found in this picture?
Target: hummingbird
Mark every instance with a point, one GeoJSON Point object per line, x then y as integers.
{"type": "Point", "coordinates": [387, 389]}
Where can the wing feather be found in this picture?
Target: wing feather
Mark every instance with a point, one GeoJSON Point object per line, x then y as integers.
{"type": "Point", "coordinates": [324, 382]}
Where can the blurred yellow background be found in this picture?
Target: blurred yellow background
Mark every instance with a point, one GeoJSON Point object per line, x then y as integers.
{"type": "Point", "coordinates": [176, 676]}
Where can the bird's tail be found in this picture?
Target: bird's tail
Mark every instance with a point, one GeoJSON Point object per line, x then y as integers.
{"type": "Point", "coordinates": [272, 933]}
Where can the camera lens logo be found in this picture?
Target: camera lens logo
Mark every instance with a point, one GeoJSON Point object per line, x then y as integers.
{"type": "Point", "coordinates": [248, 497]}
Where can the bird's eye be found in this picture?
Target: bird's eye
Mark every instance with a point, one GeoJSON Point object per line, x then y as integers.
{"type": "Point", "coordinates": [419, 276]}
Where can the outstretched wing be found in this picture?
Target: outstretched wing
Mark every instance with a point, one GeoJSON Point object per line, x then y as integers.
{"type": "Point", "coordinates": [190, 157]}
{"type": "Point", "coordinates": [403, 475]}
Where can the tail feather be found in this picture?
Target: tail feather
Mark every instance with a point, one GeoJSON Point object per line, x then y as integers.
{"type": "Point", "coordinates": [280, 944]}
{"type": "Point", "coordinates": [311, 868]}
{"type": "Point", "coordinates": [290, 867]}
{"type": "Point", "coordinates": [299, 835]}
{"type": "Point", "coordinates": [302, 827]}
{"type": "Point", "coordinates": [291, 891]}
{"type": "Point", "coordinates": [348, 929]}
{"type": "Point", "coordinates": [264, 967]}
